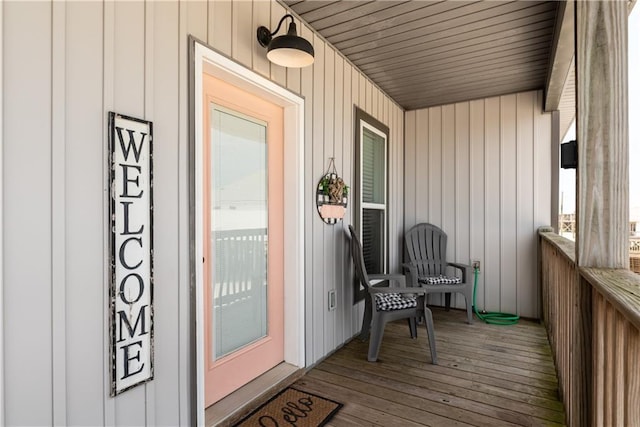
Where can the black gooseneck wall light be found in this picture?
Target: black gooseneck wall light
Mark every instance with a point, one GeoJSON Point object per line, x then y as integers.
{"type": "Point", "coordinates": [289, 50]}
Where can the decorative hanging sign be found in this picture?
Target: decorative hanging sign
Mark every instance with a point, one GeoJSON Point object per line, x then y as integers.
{"type": "Point", "coordinates": [331, 195]}
{"type": "Point", "coordinates": [131, 257]}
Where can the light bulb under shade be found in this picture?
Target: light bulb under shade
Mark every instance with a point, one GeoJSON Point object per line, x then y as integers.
{"type": "Point", "coordinates": [290, 51]}
{"type": "Point", "coordinates": [291, 58]}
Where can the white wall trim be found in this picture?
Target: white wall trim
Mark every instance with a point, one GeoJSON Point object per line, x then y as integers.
{"type": "Point", "coordinates": [224, 68]}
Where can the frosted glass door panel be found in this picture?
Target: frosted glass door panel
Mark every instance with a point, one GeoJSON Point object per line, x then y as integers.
{"type": "Point", "coordinates": [238, 230]}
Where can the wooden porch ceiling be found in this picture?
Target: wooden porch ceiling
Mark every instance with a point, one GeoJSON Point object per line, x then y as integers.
{"type": "Point", "coordinates": [487, 376]}
{"type": "Point", "coordinates": [425, 53]}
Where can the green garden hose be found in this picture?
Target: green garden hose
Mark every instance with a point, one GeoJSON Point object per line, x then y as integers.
{"type": "Point", "coordinates": [491, 317]}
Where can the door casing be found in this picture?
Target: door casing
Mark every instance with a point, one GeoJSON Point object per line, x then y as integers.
{"type": "Point", "coordinates": [206, 60]}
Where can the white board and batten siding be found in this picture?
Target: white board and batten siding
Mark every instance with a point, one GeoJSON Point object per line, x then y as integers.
{"type": "Point", "coordinates": [86, 59]}
{"type": "Point", "coordinates": [481, 171]}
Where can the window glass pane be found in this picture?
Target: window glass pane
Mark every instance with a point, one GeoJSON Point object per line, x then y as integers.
{"type": "Point", "coordinates": [373, 167]}
{"type": "Point", "coordinates": [373, 240]}
{"type": "Point", "coordinates": [238, 231]}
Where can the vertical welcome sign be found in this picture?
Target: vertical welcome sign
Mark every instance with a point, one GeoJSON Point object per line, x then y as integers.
{"type": "Point", "coordinates": [131, 221]}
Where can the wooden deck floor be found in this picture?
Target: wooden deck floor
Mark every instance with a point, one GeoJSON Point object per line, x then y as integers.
{"type": "Point", "coordinates": [487, 376]}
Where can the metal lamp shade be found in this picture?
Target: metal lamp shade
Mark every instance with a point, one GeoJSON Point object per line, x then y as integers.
{"type": "Point", "coordinates": [290, 50]}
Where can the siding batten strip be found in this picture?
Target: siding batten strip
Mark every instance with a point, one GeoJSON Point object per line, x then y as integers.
{"type": "Point", "coordinates": [501, 192]}
{"type": "Point", "coordinates": [148, 96]}
{"type": "Point", "coordinates": [329, 253]}
{"type": "Point", "coordinates": [347, 136]}
{"type": "Point", "coordinates": [278, 73]}
{"type": "Point", "coordinates": [58, 213]}
{"type": "Point", "coordinates": [261, 15]}
{"type": "Point", "coordinates": [165, 85]}
{"type": "Point", "coordinates": [306, 90]}
{"type": "Point", "coordinates": [484, 189]}
{"type": "Point", "coordinates": [409, 169]}
{"type": "Point", "coordinates": [318, 165]}
{"type": "Point", "coordinates": [339, 237]}
{"type": "Point", "coordinates": [2, 417]}
{"type": "Point", "coordinates": [517, 207]}
{"type": "Point", "coordinates": [108, 105]}
{"type": "Point", "coordinates": [129, 40]}
{"type": "Point", "coordinates": [219, 25]}
{"type": "Point", "coordinates": [188, 401]}
{"type": "Point", "coordinates": [415, 163]}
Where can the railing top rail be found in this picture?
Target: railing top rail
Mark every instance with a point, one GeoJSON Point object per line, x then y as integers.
{"type": "Point", "coordinates": [243, 232]}
{"type": "Point", "coordinates": [620, 287]}
{"type": "Point", "coordinates": [564, 245]}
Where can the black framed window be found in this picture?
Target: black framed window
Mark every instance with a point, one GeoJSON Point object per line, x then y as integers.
{"type": "Point", "coordinates": [371, 198]}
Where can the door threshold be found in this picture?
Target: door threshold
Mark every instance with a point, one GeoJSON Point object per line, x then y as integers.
{"type": "Point", "coordinates": [247, 398]}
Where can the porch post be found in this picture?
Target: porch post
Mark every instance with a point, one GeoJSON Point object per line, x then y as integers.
{"type": "Point", "coordinates": [602, 205]}
{"type": "Point", "coordinates": [602, 132]}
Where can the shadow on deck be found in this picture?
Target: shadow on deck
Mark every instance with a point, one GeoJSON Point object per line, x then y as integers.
{"type": "Point", "coordinates": [487, 376]}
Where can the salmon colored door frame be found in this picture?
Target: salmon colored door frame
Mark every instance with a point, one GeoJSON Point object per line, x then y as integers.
{"type": "Point", "coordinates": [232, 371]}
{"type": "Point", "coordinates": [204, 59]}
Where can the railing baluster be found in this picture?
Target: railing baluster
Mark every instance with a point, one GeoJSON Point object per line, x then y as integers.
{"type": "Point", "coordinates": [632, 374]}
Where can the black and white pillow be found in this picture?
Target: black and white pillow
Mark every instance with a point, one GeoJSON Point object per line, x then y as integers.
{"type": "Point", "coordinates": [394, 301]}
{"type": "Point", "coordinates": [439, 280]}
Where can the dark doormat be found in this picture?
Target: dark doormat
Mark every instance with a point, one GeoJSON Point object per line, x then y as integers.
{"type": "Point", "coordinates": [292, 407]}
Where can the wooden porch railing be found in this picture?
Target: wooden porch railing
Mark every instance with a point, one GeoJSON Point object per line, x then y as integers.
{"type": "Point", "coordinates": [592, 318]}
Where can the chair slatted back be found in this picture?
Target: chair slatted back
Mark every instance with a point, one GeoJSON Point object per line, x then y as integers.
{"type": "Point", "coordinates": [426, 245]}
{"type": "Point", "coordinates": [358, 259]}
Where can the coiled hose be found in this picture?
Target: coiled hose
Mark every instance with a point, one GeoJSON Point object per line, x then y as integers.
{"type": "Point", "coordinates": [491, 317]}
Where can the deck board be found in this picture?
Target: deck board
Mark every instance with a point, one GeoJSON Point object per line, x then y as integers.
{"type": "Point", "coordinates": [487, 376]}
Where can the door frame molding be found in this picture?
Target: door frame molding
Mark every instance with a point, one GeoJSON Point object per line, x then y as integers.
{"type": "Point", "coordinates": [205, 59]}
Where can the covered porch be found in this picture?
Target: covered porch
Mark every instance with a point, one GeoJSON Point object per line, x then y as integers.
{"type": "Point", "coordinates": [476, 96]}
{"type": "Point", "coordinates": [582, 356]}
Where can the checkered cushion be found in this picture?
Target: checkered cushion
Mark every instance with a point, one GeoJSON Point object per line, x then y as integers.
{"type": "Point", "coordinates": [389, 302]}
{"type": "Point", "coordinates": [439, 280]}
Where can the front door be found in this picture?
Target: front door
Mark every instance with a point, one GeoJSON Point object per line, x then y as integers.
{"type": "Point", "coordinates": [243, 242]}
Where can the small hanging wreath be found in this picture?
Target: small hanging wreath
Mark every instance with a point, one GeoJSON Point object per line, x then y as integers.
{"type": "Point", "coordinates": [331, 195]}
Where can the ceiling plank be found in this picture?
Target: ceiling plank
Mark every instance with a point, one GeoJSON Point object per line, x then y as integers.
{"type": "Point", "coordinates": [478, 38]}
{"type": "Point", "coordinates": [304, 7]}
{"type": "Point", "coordinates": [453, 57]}
{"type": "Point", "coordinates": [382, 25]}
{"type": "Point", "coordinates": [464, 74]}
{"type": "Point", "coordinates": [315, 17]}
{"type": "Point", "coordinates": [350, 15]}
{"type": "Point", "coordinates": [456, 24]}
